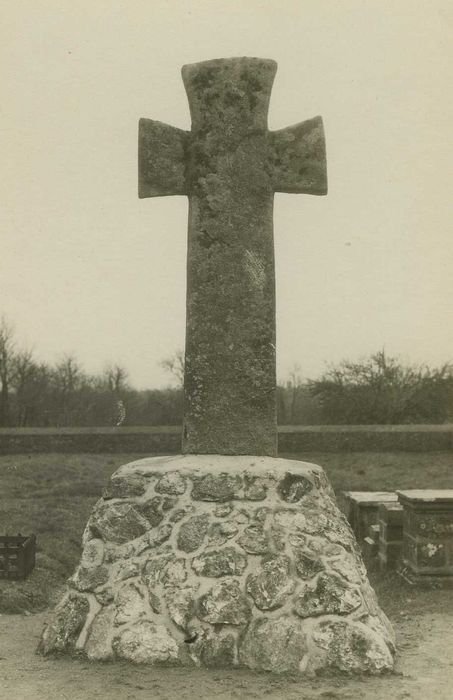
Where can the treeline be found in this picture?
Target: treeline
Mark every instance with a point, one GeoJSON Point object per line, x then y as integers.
{"type": "Point", "coordinates": [378, 390]}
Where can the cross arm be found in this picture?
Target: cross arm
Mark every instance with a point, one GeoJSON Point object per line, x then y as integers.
{"type": "Point", "coordinates": [161, 159]}
{"type": "Point", "coordinates": [297, 157]}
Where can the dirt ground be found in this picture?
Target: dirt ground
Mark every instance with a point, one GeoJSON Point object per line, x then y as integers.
{"type": "Point", "coordinates": [424, 671]}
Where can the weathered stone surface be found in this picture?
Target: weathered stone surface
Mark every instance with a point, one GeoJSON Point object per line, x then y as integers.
{"type": "Point", "coordinates": [90, 573]}
{"type": "Point", "coordinates": [240, 517]}
{"type": "Point", "coordinates": [118, 522]}
{"type": "Point", "coordinates": [171, 483]}
{"type": "Point", "coordinates": [105, 595]}
{"type": "Point", "coordinates": [180, 513]}
{"type": "Point", "coordinates": [175, 572]}
{"type": "Point", "coordinates": [352, 647]}
{"type": "Point", "coordinates": [346, 566]}
{"type": "Point", "coordinates": [223, 509]}
{"type": "Point", "coordinates": [221, 487]}
{"type": "Point", "coordinates": [293, 487]}
{"type": "Point", "coordinates": [224, 604]}
{"type": "Point", "coordinates": [150, 540]}
{"type": "Point", "coordinates": [255, 540]}
{"type": "Point", "coordinates": [319, 545]}
{"type": "Point", "coordinates": [169, 503]}
{"type": "Point", "coordinates": [272, 583]}
{"type": "Point", "coordinates": [129, 604]}
{"type": "Point", "coordinates": [87, 579]}
{"type": "Point", "coordinates": [145, 643]}
{"type": "Point", "coordinates": [192, 532]}
{"type": "Point", "coordinates": [255, 488]}
{"type": "Point", "coordinates": [152, 510]}
{"type": "Point", "coordinates": [223, 562]}
{"type": "Point", "coordinates": [215, 651]}
{"type": "Point", "coordinates": [155, 602]}
{"type": "Point", "coordinates": [291, 520]}
{"type": "Point", "coordinates": [328, 595]}
{"type": "Point", "coordinates": [381, 626]}
{"type": "Point", "coordinates": [165, 569]}
{"type": "Point", "coordinates": [307, 565]}
{"type": "Point", "coordinates": [219, 533]}
{"type": "Point", "coordinates": [180, 601]}
{"type": "Point", "coordinates": [260, 515]}
{"type": "Point", "coordinates": [129, 569]}
{"type": "Point", "coordinates": [274, 644]}
{"type": "Point", "coordinates": [99, 644]}
{"type": "Point", "coordinates": [66, 624]}
{"type": "Point", "coordinates": [230, 167]}
{"type": "Point", "coordinates": [125, 486]}
{"type": "Point", "coordinates": [157, 537]}
{"type": "Point", "coordinates": [93, 554]}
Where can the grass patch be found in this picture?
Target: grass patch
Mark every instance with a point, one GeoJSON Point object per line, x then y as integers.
{"type": "Point", "coordinates": [52, 495]}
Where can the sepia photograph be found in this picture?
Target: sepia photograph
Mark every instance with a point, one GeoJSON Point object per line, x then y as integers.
{"type": "Point", "coordinates": [226, 350]}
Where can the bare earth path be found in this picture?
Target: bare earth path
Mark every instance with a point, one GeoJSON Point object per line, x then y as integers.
{"type": "Point", "coordinates": [424, 671]}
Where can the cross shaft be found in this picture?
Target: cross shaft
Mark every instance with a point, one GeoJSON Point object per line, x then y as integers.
{"type": "Point", "coordinates": [230, 165]}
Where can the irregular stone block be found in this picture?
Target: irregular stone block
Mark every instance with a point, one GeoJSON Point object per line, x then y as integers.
{"type": "Point", "coordinates": [352, 647]}
{"type": "Point", "coordinates": [129, 569]}
{"type": "Point", "coordinates": [215, 651]}
{"type": "Point", "coordinates": [129, 604]}
{"type": "Point", "coordinates": [329, 595]}
{"type": "Point", "coordinates": [93, 554]}
{"type": "Point", "coordinates": [255, 488]}
{"type": "Point", "coordinates": [293, 487]}
{"type": "Point", "coordinates": [223, 509]}
{"type": "Point", "coordinates": [219, 533]}
{"type": "Point", "coordinates": [66, 624]}
{"type": "Point", "coordinates": [255, 540]}
{"type": "Point", "coordinates": [169, 503]}
{"type": "Point", "coordinates": [260, 515]}
{"type": "Point", "coordinates": [119, 522]}
{"type": "Point", "coordinates": [274, 644]}
{"type": "Point", "coordinates": [272, 583]}
{"type": "Point", "coordinates": [223, 562]}
{"type": "Point", "coordinates": [87, 579]}
{"type": "Point", "coordinates": [125, 486]}
{"type": "Point", "coordinates": [98, 646]}
{"type": "Point", "coordinates": [152, 510]}
{"type": "Point", "coordinates": [346, 566]}
{"type": "Point", "coordinates": [192, 532]}
{"type": "Point", "coordinates": [145, 643]}
{"type": "Point", "coordinates": [224, 604]}
{"type": "Point", "coordinates": [105, 595]}
{"type": "Point", "coordinates": [166, 569]}
{"type": "Point", "coordinates": [180, 601]}
{"type": "Point", "coordinates": [307, 565]}
{"type": "Point", "coordinates": [172, 483]}
{"type": "Point", "coordinates": [216, 487]}
{"type": "Point", "coordinates": [180, 513]}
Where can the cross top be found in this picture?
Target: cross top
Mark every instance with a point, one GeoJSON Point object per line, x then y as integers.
{"type": "Point", "coordinates": [230, 165]}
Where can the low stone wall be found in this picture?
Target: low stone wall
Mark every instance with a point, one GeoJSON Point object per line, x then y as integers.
{"type": "Point", "coordinates": [167, 440]}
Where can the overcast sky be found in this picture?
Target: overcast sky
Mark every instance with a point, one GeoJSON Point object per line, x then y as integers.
{"type": "Point", "coordinates": [87, 268]}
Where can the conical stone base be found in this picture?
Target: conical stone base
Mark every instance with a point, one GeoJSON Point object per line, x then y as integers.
{"type": "Point", "coordinates": [222, 561]}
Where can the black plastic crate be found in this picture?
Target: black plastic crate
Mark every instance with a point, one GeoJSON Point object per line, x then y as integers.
{"type": "Point", "coordinates": [17, 556]}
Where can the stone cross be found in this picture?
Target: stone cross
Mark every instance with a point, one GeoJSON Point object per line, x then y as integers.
{"type": "Point", "coordinates": [229, 166]}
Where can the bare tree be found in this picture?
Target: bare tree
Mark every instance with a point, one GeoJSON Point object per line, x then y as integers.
{"type": "Point", "coordinates": [23, 373]}
{"type": "Point", "coordinates": [116, 378]}
{"type": "Point", "coordinates": [175, 366]}
{"type": "Point", "coordinates": [6, 367]}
